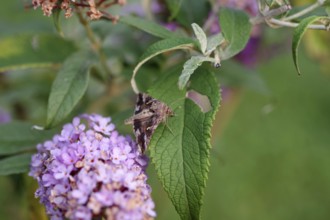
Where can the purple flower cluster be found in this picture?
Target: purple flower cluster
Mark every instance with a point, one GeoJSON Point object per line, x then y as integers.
{"type": "Point", "coordinates": [4, 116]}
{"type": "Point", "coordinates": [90, 171]}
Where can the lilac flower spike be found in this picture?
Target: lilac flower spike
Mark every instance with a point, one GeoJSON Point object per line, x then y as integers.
{"type": "Point", "coordinates": [90, 171]}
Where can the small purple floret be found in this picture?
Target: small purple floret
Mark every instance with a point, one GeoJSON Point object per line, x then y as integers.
{"type": "Point", "coordinates": [90, 171]}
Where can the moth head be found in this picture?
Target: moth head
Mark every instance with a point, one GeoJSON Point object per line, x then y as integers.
{"type": "Point", "coordinates": [169, 112]}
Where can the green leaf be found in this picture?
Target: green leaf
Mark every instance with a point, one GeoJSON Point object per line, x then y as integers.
{"type": "Point", "coordinates": [174, 7]}
{"type": "Point", "coordinates": [180, 149]}
{"type": "Point", "coordinates": [147, 26]}
{"type": "Point", "coordinates": [297, 36]}
{"type": "Point", "coordinates": [33, 50]}
{"type": "Point", "coordinates": [236, 29]}
{"type": "Point", "coordinates": [56, 20]}
{"type": "Point", "coordinates": [162, 47]}
{"type": "Point", "coordinates": [201, 37]}
{"type": "Point", "coordinates": [15, 164]}
{"type": "Point", "coordinates": [189, 68]}
{"type": "Point", "coordinates": [192, 12]}
{"type": "Point", "coordinates": [213, 42]}
{"type": "Point", "coordinates": [68, 87]}
{"type": "Point", "coordinates": [18, 137]}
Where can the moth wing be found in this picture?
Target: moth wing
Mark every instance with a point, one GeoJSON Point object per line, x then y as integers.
{"type": "Point", "coordinates": [144, 115]}
{"type": "Point", "coordinates": [143, 130]}
{"type": "Point", "coordinates": [143, 102]}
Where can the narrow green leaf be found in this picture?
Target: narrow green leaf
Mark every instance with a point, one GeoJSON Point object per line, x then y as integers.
{"type": "Point", "coordinates": [297, 36]}
{"type": "Point", "coordinates": [147, 26]}
{"type": "Point", "coordinates": [162, 47]}
{"type": "Point", "coordinates": [15, 164]}
{"type": "Point", "coordinates": [18, 137]}
{"type": "Point", "coordinates": [201, 37]}
{"type": "Point", "coordinates": [213, 42]}
{"type": "Point", "coordinates": [68, 87]}
{"type": "Point", "coordinates": [56, 20]}
{"type": "Point", "coordinates": [327, 10]}
{"type": "Point", "coordinates": [33, 50]}
{"type": "Point", "coordinates": [174, 7]}
{"type": "Point", "coordinates": [189, 68]}
{"type": "Point", "coordinates": [180, 149]}
{"type": "Point", "coordinates": [236, 29]}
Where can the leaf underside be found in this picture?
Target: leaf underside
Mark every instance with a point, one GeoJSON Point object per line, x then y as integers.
{"type": "Point", "coordinates": [201, 37]}
{"type": "Point", "coordinates": [189, 68]}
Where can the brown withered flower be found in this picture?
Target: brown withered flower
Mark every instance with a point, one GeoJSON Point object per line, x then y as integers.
{"type": "Point", "coordinates": [94, 9]}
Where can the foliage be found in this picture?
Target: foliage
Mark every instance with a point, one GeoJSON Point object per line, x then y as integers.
{"type": "Point", "coordinates": [180, 149]}
{"type": "Point", "coordinates": [96, 67]}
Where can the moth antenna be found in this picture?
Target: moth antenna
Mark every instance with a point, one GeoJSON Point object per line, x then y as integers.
{"type": "Point", "coordinates": [166, 125]}
{"type": "Point", "coordinates": [177, 100]}
{"type": "Point", "coordinates": [217, 156]}
{"type": "Point", "coordinates": [169, 129]}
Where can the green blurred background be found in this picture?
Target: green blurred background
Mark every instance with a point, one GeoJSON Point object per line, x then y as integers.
{"type": "Point", "coordinates": [271, 159]}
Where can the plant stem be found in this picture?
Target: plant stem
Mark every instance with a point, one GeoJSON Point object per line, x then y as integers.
{"type": "Point", "coordinates": [212, 17]}
{"type": "Point", "coordinates": [95, 43]}
{"type": "Point", "coordinates": [261, 17]}
{"type": "Point", "coordinates": [293, 24]}
{"type": "Point", "coordinates": [285, 22]}
{"type": "Point", "coordinates": [305, 11]}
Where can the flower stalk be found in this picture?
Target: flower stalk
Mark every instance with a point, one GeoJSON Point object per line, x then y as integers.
{"type": "Point", "coordinates": [96, 46]}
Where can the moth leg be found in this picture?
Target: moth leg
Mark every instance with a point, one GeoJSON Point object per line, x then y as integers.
{"type": "Point", "coordinates": [129, 121]}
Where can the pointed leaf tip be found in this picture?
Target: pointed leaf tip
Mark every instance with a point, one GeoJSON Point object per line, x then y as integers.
{"type": "Point", "coordinates": [201, 37]}
{"type": "Point", "coordinates": [298, 33]}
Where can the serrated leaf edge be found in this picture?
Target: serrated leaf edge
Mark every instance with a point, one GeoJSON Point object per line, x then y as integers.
{"type": "Point", "coordinates": [207, 141]}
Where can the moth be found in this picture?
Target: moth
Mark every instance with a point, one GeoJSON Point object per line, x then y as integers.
{"type": "Point", "coordinates": [149, 113]}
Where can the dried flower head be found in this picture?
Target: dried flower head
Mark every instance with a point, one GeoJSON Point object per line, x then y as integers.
{"type": "Point", "coordinates": [95, 9]}
{"type": "Point", "coordinates": [89, 171]}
